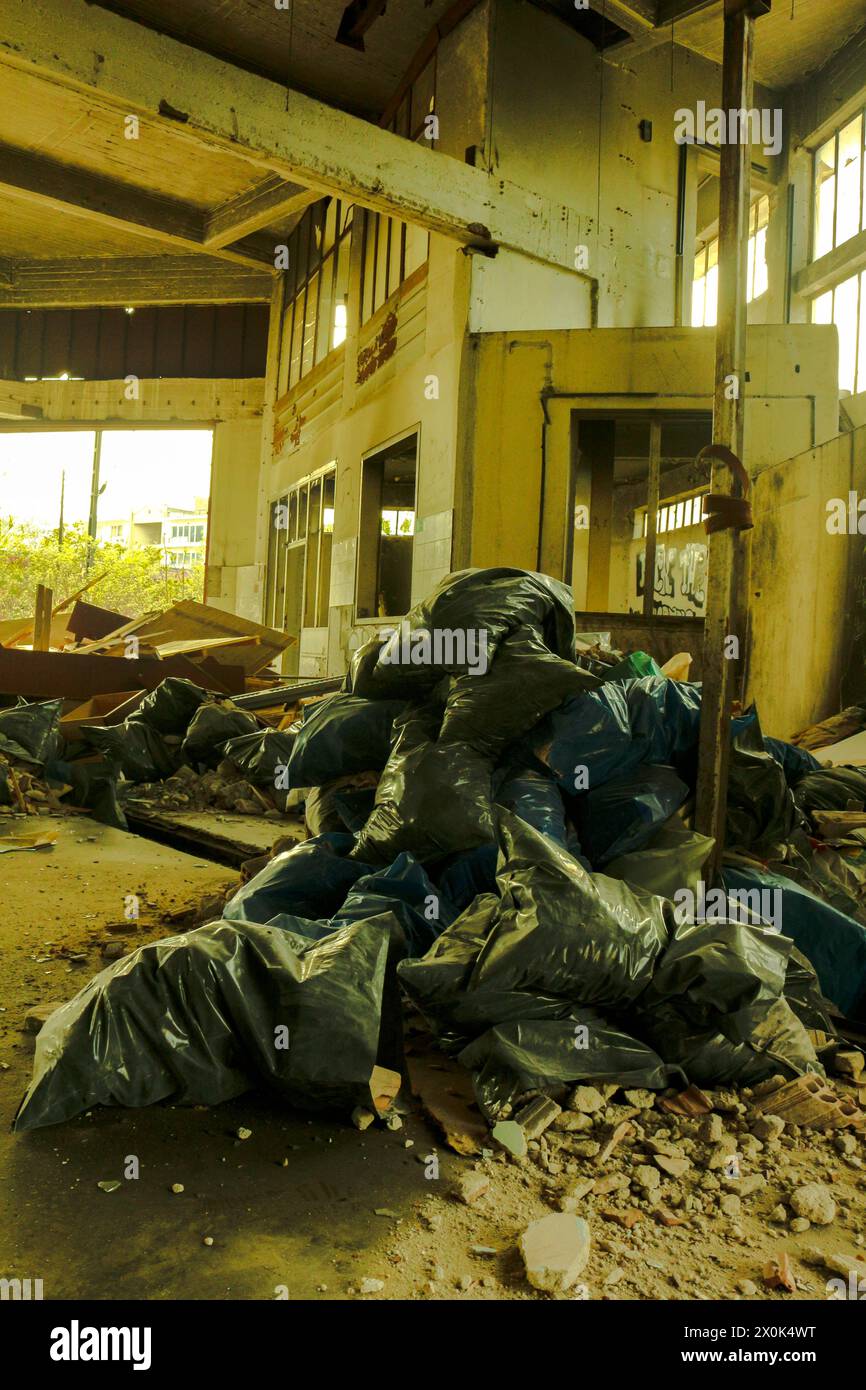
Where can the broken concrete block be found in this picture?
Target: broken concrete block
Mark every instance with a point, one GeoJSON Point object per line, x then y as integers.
{"type": "Point", "coordinates": [711, 1129]}
{"type": "Point", "coordinates": [555, 1250]}
{"type": "Point", "coordinates": [361, 1118]}
{"type": "Point", "coordinates": [810, 1101]}
{"type": "Point", "coordinates": [674, 1167]}
{"type": "Point", "coordinates": [815, 1202]}
{"type": "Point", "coordinates": [472, 1186]}
{"type": "Point", "coordinates": [768, 1126]}
{"type": "Point", "coordinates": [586, 1099]}
{"type": "Point", "coordinates": [538, 1116]}
{"type": "Point", "coordinates": [509, 1134]}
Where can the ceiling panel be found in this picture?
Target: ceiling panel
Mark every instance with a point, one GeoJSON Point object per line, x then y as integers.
{"type": "Point", "coordinates": [795, 39]}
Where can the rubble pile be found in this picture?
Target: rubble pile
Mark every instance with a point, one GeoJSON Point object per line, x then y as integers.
{"type": "Point", "coordinates": [514, 855]}
{"type": "Point", "coordinates": [220, 789]}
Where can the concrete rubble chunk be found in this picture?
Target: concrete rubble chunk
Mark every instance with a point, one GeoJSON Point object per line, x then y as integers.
{"type": "Point", "coordinates": [472, 1186]}
{"type": "Point", "coordinates": [509, 1134]}
{"type": "Point", "coordinates": [641, 1100]}
{"type": "Point", "coordinates": [815, 1202]}
{"type": "Point", "coordinates": [586, 1099]}
{"type": "Point", "coordinates": [555, 1251]}
{"type": "Point", "coordinates": [37, 1016]}
{"type": "Point", "coordinates": [674, 1167]}
{"type": "Point", "coordinates": [538, 1116]}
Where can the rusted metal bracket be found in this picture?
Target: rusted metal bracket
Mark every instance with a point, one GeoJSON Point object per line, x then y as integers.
{"type": "Point", "coordinates": [723, 512]}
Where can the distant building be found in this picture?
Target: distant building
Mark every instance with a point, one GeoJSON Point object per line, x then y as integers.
{"type": "Point", "coordinates": [180, 532]}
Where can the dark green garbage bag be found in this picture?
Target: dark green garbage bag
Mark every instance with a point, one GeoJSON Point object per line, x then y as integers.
{"type": "Point", "coordinates": [211, 727]}
{"type": "Point", "coordinates": [29, 731]}
{"type": "Point", "coordinates": [203, 1017]}
{"type": "Point", "coordinates": [169, 708]}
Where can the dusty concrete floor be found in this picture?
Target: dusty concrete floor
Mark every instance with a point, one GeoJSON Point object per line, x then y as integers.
{"type": "Point", "coordinates": [310, 1209]}
{"type": "Point", "coordinates": [308, 1224]}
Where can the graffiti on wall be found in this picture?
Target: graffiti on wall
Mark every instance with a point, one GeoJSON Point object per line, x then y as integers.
{"type": "Point", "coordinates": [680, 579]}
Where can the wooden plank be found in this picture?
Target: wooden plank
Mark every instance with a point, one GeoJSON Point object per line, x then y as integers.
{"type": "Point", "coordinates": [71, 676]}
{"type": "Point", "coordinates": [42, 619]}
{"type": "Point", "coordinates": [88, 620]}
{"type": "Point", "coordinates": [133, 280]}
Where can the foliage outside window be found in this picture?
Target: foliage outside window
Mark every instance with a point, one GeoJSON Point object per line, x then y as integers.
{"type": "Point", "coordinates": [705, 285]}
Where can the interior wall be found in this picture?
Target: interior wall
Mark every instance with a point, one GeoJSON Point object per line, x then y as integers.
{"type": "Point", "coordinates": [807, 618]}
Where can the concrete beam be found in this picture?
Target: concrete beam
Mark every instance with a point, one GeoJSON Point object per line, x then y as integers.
{"type": "Point", "coordinates": [131, 281]}
{"type": "Point", "coordinates": [272, 200]}
{"type": "Point", "coordinates": [213, 103]}
{"type": "Point", "coordinates": [11, 408]}
{"type": "Point", "coordinates": [98, 199]}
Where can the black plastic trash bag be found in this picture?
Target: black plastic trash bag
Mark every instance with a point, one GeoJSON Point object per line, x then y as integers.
{"type": "Point", "coordinates": [203, 1017]}
{"type": "Point", "coordinates": [462, 877]}
{"type": "Point", "coordinates": [534, 797]}
{"type": "Point", "coordinates": [523, 682]}
{"type": "Point", "coordinates": [262, 757]}
{"type": "Point", "coordinates": [831, 789]}
{"type": "Point", "coordinates": [625, 813]}
{"type": "Point", "coordinates": [169, 708]}
{"type": "Point", "coordinates": [135, 751]}
{"type": "Point", "coordinates": [716, 1005]}
{"type": "Point", "coordinates": [211, 727]}
{"type": "Point", "coordinates": [458, 628]}
{"type": "Point", "coordinates": [342, 736]}
{"type": "Point", "coordinates": [433, 797]}
{"type": "Point", "coordinates": [311, 880]}
{"type": "Point", "coordinates": [93, 786]}
{"type": "Point", "coordinates": [541, 1054]}
{"type": "Point", "coordinates": [29, 732]}
{"type": "Point", "coordinates": [341, 805]}
{"type": "Point", "coordinates": [761, 807]}
{"type": "Point", "coordinates": [404, 889]}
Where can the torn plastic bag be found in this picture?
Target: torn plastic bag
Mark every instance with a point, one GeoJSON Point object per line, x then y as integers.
{"type": "Point", "coordinates": [465, 618]}
{"type": "Point", "coordinates": [342, 736]}
{"type": "Point", "coordinates": [169, 708]}
{"type": "Point", "coordinates": [834, 943]}
{"type": "Point", "coordinates": [716, 1004]}
{"type": "Point", "coordinates": [405, 889]}
{"type": "Point", "coordinates": [262, 757]}
{"type": "Point", "coordinates": [761, 807]}
{"type": "Point", "coordinates": [672, 860]}
{"type": "Point", "coordinates": [134, 750]}
{"type": "Point", "coordinates": [523, 682]}
{"type": "Point", "coordinates": [29, 732]}
{"type": "Point", "coordinates": [210, 728]}
{"type": "Point", "coordinates": [433, 797]}
{"type": "Point", "coordinates": [623, 815]}
{"type": "Point", "coordinates": [203, 1017]}
{"type": "Point", "coordinates": [831, 789]}
{"type": "Point", "coordinates": [534, 797]}
{"type": "Point", "coordinates": [540, 1054]}
{"type": "Point", "coordinates": [311, 880]}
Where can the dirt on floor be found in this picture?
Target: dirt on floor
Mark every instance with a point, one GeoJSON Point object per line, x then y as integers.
{"type": "Point", "coordinates": [307, 1209]}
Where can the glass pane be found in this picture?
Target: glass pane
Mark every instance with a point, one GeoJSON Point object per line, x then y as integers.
{"type": "Point", "coordinates": [848, 200]}
{"type": "Point", "coordinates": [297, 340]}
{"type": "Point", "coordinates": [310, 325]}
{"type": "Point", "coordinates": [822, 308]}
{"type": "Point", "coordinates": [330, 224]}
{"type": "Point", "coordinates": [395, 270]}
{"type": "Point", "coordinates": [326, 306]}
{"type": "Point", "coordinates": [761, 281]}
{"type": "Point", "coordinates": [712, 304]}
{"type": "Point", "coordinates": [699, 286]}
{"type": "Point", "coordinates": [861, 354]}
{"type": "Point", "coordinates": [750, 268]}
{"type": "Point", "coordinates": [845, 318]}
{"type": "Point", "coordinates": [825, 195]}
{"type": "Point", "coordinates": [382, 290]}
{"type": "Point", "coordinates": [368, 304]}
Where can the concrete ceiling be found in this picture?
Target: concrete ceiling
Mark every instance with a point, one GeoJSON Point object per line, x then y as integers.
{"type": "Point", "coordinates": [792, 42]}
{"type": "Point", "coordinates": [297, 45]}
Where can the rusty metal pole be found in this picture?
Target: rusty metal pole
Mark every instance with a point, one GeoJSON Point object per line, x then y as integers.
{"type": "Point", "coordinates": [724, 629]}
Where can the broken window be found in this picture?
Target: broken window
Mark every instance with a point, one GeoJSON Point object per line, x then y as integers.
{"type": "Point", "coordinates": [844, 306]}
{"type": "Point", "coordinates": [387, 529]}
{"type": "Point", "coordinates": [839, 199]}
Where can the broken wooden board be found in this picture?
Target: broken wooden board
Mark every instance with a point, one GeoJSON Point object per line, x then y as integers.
{"type": "Point", "coordinates": [445, 1091]}
{"type": "Point", "coordinates": [73, 676]}
{"type": "Point", "coordinates": [196, 623]}
{"type": "Point", "coordinates": [88, 622]}
{"type": "Point", "coordinates": [100, 710]}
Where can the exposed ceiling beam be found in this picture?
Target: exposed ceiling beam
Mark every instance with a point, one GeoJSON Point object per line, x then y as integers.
{"type": "Point", "coordinates": [13, 409]}
{"type": "Point", "coordinates": [132, 281]}
{"type": "Point", "coordinates": [669, 11]}
{"type": "Point", "coordinates": [209, 102]}
{"type": "Point", "coordinates": [272, 200]}
{"type": "Point", "coordinates": [106, 201]}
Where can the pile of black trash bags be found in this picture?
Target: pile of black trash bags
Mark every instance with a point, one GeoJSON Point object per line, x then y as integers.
{"type": "Point", "coordinates": [499, 844]}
